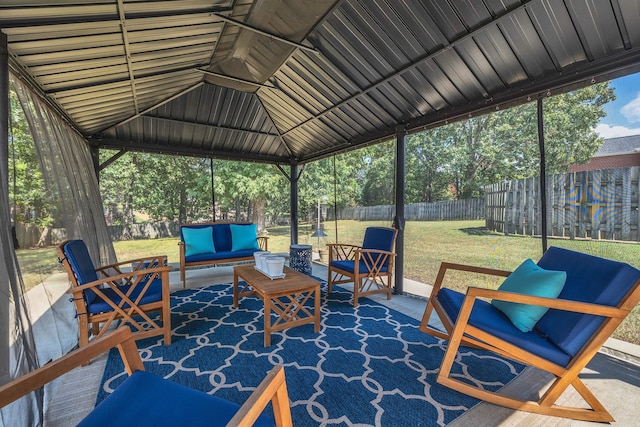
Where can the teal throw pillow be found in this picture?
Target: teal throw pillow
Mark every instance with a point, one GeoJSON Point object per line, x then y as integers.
{"type": "Point", "coordinates": [244, 237]}
{"type": "Point", "coordinates": [198, 241]}
{"type": "Point", "coordinates": [529, 279]}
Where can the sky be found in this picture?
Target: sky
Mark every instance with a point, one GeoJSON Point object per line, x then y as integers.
{"type": "Point", "coordinates": [623, 114]}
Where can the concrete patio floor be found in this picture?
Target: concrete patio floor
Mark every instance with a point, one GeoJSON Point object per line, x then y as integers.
{"type": "Point", "coordinates": [613, 375]}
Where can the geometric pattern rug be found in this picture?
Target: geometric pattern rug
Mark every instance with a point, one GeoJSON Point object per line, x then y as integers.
{"type": "Point", "coordinates": [368, 366]}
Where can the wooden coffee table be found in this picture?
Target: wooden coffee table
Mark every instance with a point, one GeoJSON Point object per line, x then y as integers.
{"type": "Point", "coordinates": [285, 297]}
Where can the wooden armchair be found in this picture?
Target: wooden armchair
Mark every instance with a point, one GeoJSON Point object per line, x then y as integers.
{"type": "Point", "coordinates": [106, 294]}
{"type": "Point", "coordinates": [369, 267]}
{"type": "Point", "coordinates": [595, 297]}
{"type": "Point", "coordinates": [148, 400]}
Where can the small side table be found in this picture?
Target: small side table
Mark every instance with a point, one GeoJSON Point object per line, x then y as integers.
{"type": "Point", "coordinates": [300, 258]}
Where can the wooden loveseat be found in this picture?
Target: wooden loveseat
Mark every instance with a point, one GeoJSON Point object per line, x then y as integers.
{"type": "Point", "coordinates": [217, 243]}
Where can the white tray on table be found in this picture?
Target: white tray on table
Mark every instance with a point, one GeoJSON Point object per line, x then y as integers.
{"type": "Point", "coordinates": [279, 276]}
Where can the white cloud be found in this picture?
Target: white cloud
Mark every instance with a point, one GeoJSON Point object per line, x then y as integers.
{"type": "Point", "coordinates": [609, 131]}
{"type": "Point", "coordinates": [631, 111]}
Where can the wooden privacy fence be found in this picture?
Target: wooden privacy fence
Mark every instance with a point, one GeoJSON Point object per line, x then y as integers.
{"type": "Point", "coordinates": [594, 204]}
{"type": "Point", "coordinates": [436, 211]}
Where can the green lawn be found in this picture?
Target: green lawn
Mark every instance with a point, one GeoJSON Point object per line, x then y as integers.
{"type": "Point", "coordinates": [427, 244]}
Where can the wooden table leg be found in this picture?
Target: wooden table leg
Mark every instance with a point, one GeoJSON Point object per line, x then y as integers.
{"type": "Point", "coordinates": [267, 321]}
{"type": "Point", "coordinates": [235, 288]}
{"type": "Point", "coordinates": [316, 309]}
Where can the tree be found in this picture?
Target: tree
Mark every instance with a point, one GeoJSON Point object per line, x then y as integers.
{"type": "Point", "coordinates": [504, 145]}
{"type": "Point", "coordinates": [429, 159]}
{"type": "Point", "coordinates": [26, 186]}
{"type": "Point", "coordinates": [377, 187]}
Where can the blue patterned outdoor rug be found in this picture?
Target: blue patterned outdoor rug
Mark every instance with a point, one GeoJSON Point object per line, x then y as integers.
{"type": "Point", "coordinates": [367, 366]}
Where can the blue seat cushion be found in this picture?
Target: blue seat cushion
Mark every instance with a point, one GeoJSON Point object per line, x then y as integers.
{"type": "Point", "coordinates": [488, 318]}
{"type": "Point", "coordinates": [220, 255]}
{"type": "Point", "coordinates": [153, 294]}
{"type": "Point", "coordinates": [80, 261]}
{"type": "Point", "coordinates": [349, 265]}
{"type": "Point", "coordinates": [589, 279]}
{"type": "Point", "coordinates": [145, 399]}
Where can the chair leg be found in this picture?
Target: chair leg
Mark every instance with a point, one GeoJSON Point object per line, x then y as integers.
{"type": "Point", "coordinates": [329, 281]}
{"type": "Point", "coordinates": [356, 290]}
{"type": "Point", "coordinates": [166, 323]}
{"type": "Point", "coordinates": [83, 326]}
{"type": "Point", "coordinates": [389, 287]}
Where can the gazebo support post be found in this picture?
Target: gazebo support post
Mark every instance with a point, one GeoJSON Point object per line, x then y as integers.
{"type": "Point", "coordinates": [4, 169]}
{"type": "Point", "coordinates": [293, 178]}
{"type": "Point", "coordinates": [543, 176]}
{"type": "Point", "coordinates": [399, 220]}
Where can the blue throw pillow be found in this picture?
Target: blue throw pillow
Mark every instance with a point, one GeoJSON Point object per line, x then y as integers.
{"type": "Point", "coordinates": [529, 279]}
{"type": "Point", "coordinates": [198, 241]}
{"type": "Point", "coordinates": [244, 237]}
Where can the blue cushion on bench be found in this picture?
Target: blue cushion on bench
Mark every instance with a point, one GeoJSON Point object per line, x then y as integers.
{"type": "Point", "coordinates": [145, 399]}
{"type": "Point", "coordinates": [244, 237]}
{"type": "Point", "coordinates": [222, 237]}
{"type": "Point", "coordinates": [488, 318]}
{"type": "Point", "coordinates": [220, 255]}
{"type": "Point", "coordinates": [198, 240]}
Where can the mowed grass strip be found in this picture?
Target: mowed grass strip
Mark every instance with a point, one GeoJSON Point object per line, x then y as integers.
{"type": "Point", "coordinates": [427, 244]}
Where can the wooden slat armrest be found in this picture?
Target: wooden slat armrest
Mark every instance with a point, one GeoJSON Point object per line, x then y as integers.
{"type": "Point", "coordinates": [111, 280]}
{"type": "Point", "coordinates": [376, 251]}
{"type": "Point", "coordinates": [263, 243]}
{"type": "Point", "coordinates": [121, 337]}
{"type": "Point", "coordinates": [343, 245]}
{"type": "Point", "coordinates": [446, 266]}
{"type": "Point", "coordinates": [160, 259]}
{"type": "Point", "coordinates": [272, 388]}
{"type": "Point", "coordinates": [374, 257]}
{"type": "Point", "coordinates": [342, 251]}
{"type": "Point", "coordinates": [474, 269]}
{"type": "Point", "coordinates": [560, 304]}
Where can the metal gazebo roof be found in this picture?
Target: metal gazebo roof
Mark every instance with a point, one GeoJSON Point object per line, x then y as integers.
{"type": "Point", "coordinates": [287, 81]}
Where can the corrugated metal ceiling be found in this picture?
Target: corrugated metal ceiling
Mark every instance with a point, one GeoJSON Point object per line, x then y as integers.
{"type": "Point", "coordinates": [287, 80]}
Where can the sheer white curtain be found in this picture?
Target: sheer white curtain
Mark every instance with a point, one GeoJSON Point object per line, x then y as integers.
{"type": "Point", "coordinates": [72, 187]}
{"type": "Point", "coordinates": [69, 176]}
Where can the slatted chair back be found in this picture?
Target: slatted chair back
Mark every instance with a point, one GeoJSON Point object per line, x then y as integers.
{"type": "Point", "coordinates": [590, 279]}
{"type": "Point", "coordinates": [595, 298]}
{"type": "Point", "coordinates": [128, 291]}
{"type": "Point", "coordinates": [369, 267]}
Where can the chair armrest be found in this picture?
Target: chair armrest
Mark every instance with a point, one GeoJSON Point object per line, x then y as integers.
{"type": "Point", "coordinates": [263, 243]}
{"type": "Point", "coordinates": [160, 260]}
{"type": "Point", "coordinates": [122, 337]}
{"type": "Point", "coordinates": [342, 251]}
{"type": "Point", "coordinates": [273, 388]}
{"type": "Point", "coordinates": [375, 259]}
{"type": "Point", "coordinates": [445, 266]}
{"type": "Point", "coordinates": [555, 303]}
{"type": "Point", "coordinates": [127, 277]}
